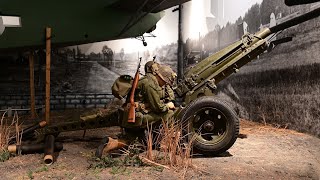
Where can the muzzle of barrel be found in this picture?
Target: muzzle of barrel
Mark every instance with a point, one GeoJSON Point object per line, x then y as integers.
{"type": "Point", "coordinates": [49, 150]}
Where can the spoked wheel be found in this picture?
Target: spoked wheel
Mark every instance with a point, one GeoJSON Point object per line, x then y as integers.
{"type": "Point", "coordinates": [211, 124]}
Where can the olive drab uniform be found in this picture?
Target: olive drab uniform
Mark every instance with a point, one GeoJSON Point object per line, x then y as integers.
{"type": "Point", "coordinates": [152, 106]}
{"type": "Point", "coordinates": [150, 103]}
{"type": "Point", "coordinates": [167, 94]}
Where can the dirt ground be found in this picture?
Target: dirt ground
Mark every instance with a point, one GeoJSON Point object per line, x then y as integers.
{"type": "Point", "coordinates": [261, 152]}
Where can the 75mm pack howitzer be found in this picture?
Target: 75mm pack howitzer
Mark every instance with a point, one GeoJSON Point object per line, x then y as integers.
{"type": "Point", "coordinates": [212, 122]}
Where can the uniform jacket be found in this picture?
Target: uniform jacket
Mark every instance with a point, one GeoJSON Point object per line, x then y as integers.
{"type": "Point", "coordinates": [149, 93]}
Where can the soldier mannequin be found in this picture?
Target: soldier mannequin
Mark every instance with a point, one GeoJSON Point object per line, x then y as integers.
{"type": "Point", "coordinates": [153, 104]}
{"type": "Point", "coordinates": [167, 94]}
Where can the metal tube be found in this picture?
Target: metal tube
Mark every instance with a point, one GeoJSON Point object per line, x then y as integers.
{"type": "Point", "coordinates": [33, 148]}
{"type": "Point", "coordinates": [297, 20]}
{"type": "Point", "coordinates": [34, 127]}
{"type": "Point", "coordinates": [48, 150]}
{"type": "Point", "coordinates": [29, 130]}
{"type": "Point", "coordinates": [298, 2]}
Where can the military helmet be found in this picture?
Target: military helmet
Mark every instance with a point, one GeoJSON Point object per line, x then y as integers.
{"type": "Point", "coordinates": [147, 67]}
{"type": "Point", "coordinates": [166, 74]}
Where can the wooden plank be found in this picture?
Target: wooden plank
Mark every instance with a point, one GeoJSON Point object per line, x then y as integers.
{"type": "Point", "coordinates": [32, 91]}
{"type": "Point", "coordinates": [48, 62]}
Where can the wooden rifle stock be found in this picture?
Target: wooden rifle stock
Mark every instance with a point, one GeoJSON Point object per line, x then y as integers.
{"type": "Point", "coordinates": [132, 108]}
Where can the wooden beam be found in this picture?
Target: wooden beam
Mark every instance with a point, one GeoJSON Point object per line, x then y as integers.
{"type": "Point", "coordinates": [48, 62]}
{"type": "Point", "coordinates": [180, 44]}
{"type": "Point", "coordinates": [32, 92]}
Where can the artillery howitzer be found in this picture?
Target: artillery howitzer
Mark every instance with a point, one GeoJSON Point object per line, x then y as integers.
{"type": "Point", "coordinates": [213, 123]}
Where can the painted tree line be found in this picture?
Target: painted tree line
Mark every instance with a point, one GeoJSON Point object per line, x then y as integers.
{"type": "Point", "coordinates": [257, 15]}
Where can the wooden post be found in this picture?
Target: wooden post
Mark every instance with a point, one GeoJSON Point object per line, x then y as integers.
{"type": "Point", "coordinates": [48, 60]}
{"type": "Point", "coordinates": [32, 93]}
{"type": "Point", "coordinates": [180, 67]}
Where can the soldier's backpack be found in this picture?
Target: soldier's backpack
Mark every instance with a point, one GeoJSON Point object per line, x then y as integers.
{"type": "Point", "coordinates": [122, 86]}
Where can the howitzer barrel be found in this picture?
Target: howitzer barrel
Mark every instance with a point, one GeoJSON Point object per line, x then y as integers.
{"type": "Point", "coordinates": [201, 79]}
{"type": "Point", "coordinates": [298, 2]}
{"type": "Point", "coordinates": [297, 20]}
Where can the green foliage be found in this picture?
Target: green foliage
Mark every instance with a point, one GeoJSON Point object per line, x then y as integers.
{"type": "Point", "coordinates": [158, 168]}
{"type": "Point", "coordinates": [106, 162]}
{"type": "Point", "coordinates": [252, 18]}
{"type": "Point", "coordinates": [42, 169]}
{"type": "Point", "coordinates": [30, 174]}
{"type": "Point", "coordinates": [118, 165]}
{"type": "Point", "coordinates": [132, 157]}
{"type": "Point", "coordinates": [4, 155]}
{"type": "Point", "coordinates": [118, 170]}
{"type": "Point", "coordinates": [132, 161]}
{"type": "Point", "coordinates": [71, 175]}
{"type": "Point", "coordinates": [109, 161]}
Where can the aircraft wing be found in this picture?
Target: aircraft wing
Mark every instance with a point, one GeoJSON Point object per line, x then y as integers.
{"type": "Point", "coordinates": [79, 21]}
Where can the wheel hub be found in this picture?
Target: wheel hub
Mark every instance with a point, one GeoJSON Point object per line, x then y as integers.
{"type": "Point", "coordinates": [208, 126]}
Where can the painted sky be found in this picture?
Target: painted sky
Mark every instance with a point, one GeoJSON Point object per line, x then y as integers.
{"type": "Point", "coordinates": [196, 12]}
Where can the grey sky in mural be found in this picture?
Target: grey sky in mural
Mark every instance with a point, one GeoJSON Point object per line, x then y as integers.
{"type": "Point", "coordinates": [195, 12]}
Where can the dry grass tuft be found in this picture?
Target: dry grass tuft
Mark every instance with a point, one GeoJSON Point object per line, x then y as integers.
{"type": "Point", "coordinates": [172, 152]}
{"type": "Point", "coordinates": [5, 134]}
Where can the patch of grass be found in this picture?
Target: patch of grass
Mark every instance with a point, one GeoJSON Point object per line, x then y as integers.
{"type": "Point", "coordinates": [286, 98]}
{"type": "Point", "coordinates": [96, 173]}
{"type": "Point", "coordinates": [158, 168]}
{"type": "Point", "coordinates": [69, 175]}
{"type": "Point", "coordinates": [41, 169]}
{"type": "Point", "coordinates": [172, 152]}
{"type": "Point", "coordinates": [133, 161]}
{"type": "Point", "coordinates": [118, 170]}
{"type": "Point", "coordinates": [5, 134]}
{"type": "Point", "coordinates": [106, 162]}
{"type": "Point", "coordinates": [30, 174]}
{"type": "Point", "coordinates": [4, 155]}
{"type": "Point", "coordinates": [175, 149]}
{"type": "Point", "coordinates": [130, 157]}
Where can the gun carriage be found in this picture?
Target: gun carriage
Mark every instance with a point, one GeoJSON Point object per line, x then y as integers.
{"type": "Point", "coordinates": [213, 123]}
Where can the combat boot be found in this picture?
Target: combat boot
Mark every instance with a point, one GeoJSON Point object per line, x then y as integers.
{"type": "Point", "coordinates": [108, 144]}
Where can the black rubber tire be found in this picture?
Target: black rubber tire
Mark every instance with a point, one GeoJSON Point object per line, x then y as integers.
{"type": "Point", "coordinates": [201, 145]}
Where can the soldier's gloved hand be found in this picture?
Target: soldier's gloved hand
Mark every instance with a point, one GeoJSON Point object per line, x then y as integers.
{"type": "Point", "coordinates": [170, 105]}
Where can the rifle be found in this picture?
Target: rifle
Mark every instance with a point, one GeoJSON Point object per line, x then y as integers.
{"type": "Point", "coordinates": [132, 108]}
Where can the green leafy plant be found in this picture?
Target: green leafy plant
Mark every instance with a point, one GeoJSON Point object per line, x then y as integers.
{"type": "Point", "coordinates": [4, 155]}
{"type": "Point", "coordinates": [30, 174]}
{"type": "Point", "coordinates": [42, 169]}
